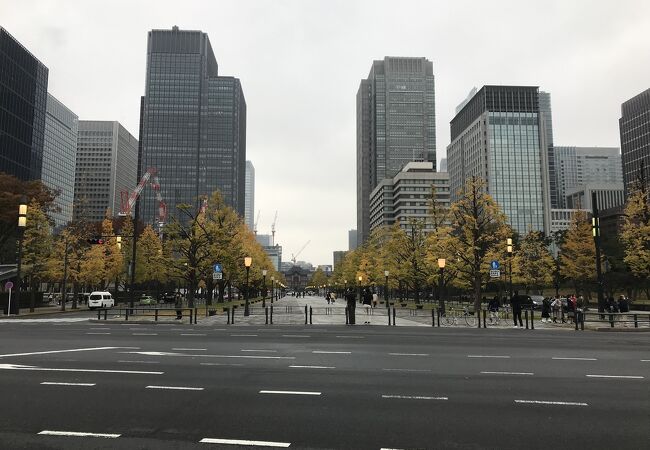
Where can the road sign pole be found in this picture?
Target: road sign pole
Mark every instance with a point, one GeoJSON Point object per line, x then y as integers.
{"type": "Point", "coordinates": [9, 304]}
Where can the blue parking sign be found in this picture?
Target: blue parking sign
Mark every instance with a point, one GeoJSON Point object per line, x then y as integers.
{"type": "Point", "coordinates": [494, 265]}
{"type": "Point", "coordinates": [217, 268]}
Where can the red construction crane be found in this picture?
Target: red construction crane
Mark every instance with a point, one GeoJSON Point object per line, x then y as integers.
{"type": "Point", "coordinates": [128, 199]}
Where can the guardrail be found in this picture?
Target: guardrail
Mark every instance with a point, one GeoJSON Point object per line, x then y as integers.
{"type": "Point", "coordinates": [634, 320]}
{"type": "Point", "coordinates": [154, 312]}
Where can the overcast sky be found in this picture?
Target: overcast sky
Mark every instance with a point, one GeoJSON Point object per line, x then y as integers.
{"type": "Point", "coordinates": [300, 63]}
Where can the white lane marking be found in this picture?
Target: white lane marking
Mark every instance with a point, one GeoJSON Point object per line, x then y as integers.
{"type": "Point", "coordinates": [351, 337]}
{"type": "Point", "coordinates": [243, 335]}
{"type": "Point", "coordinates": [322, 352]}
{"type": "Point", "coordinates": [219, 364]}
{"type": "Point", "coordinates": [79, 434]}
{"type": "Point", "coordinates": [408, 354]}
{"type": "Point", "coordinates": [407, 370]}
{"type": "Point", "coordinates": [636, 377]}
{"type": "Point", "coordinates": [53, 321]}
{"type": "Point", "coordinates": [98, 333]}
{"type": "Point", "coordinates": [138, 329]}
{"type": "Point", "coordinates": [508, 373]}
{"type": "Point", "coordinates": [414, 397]}
{"type": "Point", "coordinates": [209, 356]}
{"type": "Point", "coordinates": [55, 383]}
{"type": "Point", "coordinates": [99, 329]}
{"type": "Point", "coordinates": [138, 362]}
{"type": "Point", "coordinates": [144, 334]}
{"type": "Point", "coordinates": [645, 360]}
{"type": "Point", "coordinates": [489, 356]}
{"type": "Point", "coordinates": [296, 335]}
{"type": "Point", "coordinates": [191, 349]}
{"type": "Point", "coordinates": [88, 349]}
{"type": "Point", "coordinates": [48, 369]}
{"type": "Point", "coordinates": [193, 334]}
{"type": "Point", "coordinates": [544, 402]}
{"type": "Point", "coordinates": [260, 351]}
{"type": "Point", "coordinates": [244, 442]}
{"type": "Point", "coordinates": [176, 388]}
{"type": "Point", "coordinates": [312, 367]}
{"type": "Point", "coordinates": [574, 359]}
{"type": "Point", "coordinates": [290, 392]}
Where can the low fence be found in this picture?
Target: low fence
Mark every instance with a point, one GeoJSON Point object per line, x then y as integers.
{"type": "Point", "coordinates": [145, 313]}
{"type": "Point", "coordinates": [612, 320]}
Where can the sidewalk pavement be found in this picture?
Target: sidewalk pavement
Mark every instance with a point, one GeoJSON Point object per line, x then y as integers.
{"type": "Point", "coordinates": [45, 310]}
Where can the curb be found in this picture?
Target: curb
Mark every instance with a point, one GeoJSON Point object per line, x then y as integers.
{"type": "Point", "coordinates": [623, 330]}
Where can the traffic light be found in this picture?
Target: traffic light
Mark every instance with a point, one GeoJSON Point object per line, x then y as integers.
{"type": "Point", "coordinates": [96, 241]}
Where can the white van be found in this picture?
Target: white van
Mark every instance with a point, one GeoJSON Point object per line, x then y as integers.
{"type": "Point", "coordinates": [100, 299]}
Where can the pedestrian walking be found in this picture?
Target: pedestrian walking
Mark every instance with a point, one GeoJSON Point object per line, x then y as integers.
{"type": "Point", "coordinates": [515, 302]}
{"type": "Point", "coordinates": [367, 303]}
{"type": "Point", "coordinates": [178, 304]}
{"type": "Point", "coordinates": [351, 300]}
{"type": "Point", "coordinates": [328, 298]}
{"type": "Point", "coordinates": [493, 308]}
{"type": "Point", "coordinates": [375, 299]}
{"type": "Point", "coordinates": [546, 310]}
{"type": "Point", "coordinates": [556, 305]}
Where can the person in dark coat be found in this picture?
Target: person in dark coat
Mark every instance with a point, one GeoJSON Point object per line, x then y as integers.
{"type": "Point", "coordinates": [623, 304]}
{"type": "Point", "coordinates": [546, 309]}
{"type": "Point", "coordinates": [178, 303]}
{"type": "Point", "coordinates": [516, 302]}
{"type": "Point", "coordinates": [351, 299]}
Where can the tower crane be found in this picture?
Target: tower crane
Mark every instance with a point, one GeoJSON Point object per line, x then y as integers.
{"type": "Point", "coordinates": [256, 221]}
{"type": "Point", "coordinates": [275, 219]}
{"type": "Point", "coordinates": [293, 257]}
{"type": "Point", "coordinates": [127, 200]}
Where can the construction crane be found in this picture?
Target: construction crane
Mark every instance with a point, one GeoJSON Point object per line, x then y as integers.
{"type": "Point", "coordinates": [256, 221]}
{"type": "Point", "coordinates": [275, 219]}
{"type": "Point", "coordinates": [293, 257]}
{"type": "Point", "coordinates": [128, 199]}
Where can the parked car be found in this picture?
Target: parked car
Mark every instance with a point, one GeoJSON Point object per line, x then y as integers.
{"type": "Point", "coordinates": [147, 300]}
{"type": "Point", "coordinates": [537, 301]}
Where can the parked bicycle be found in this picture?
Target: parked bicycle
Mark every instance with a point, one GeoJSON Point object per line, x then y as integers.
{"type": "Point", "coordinates": [453, 317]}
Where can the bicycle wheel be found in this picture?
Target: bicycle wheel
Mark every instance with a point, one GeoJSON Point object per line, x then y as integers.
{"type": "Point", "coordinates": [470, 320]}
{"type": "Point", "coordinates": [447, 319]}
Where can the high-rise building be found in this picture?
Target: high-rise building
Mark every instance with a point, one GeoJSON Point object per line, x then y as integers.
{"type": "Point", "coordinates": [249, 202]}
{"type": "Point", "coordinates": [396, 124]}
{"type": "Point", "coordinates": [443, 165]}
{"type": "Point", "coordinates": [193, 124]}
{"type": "Point", "coordinates": [576, 166]}
{"type": "Point", "coordinates": [634, 126]}
{"type": "Point", "coordinates": [23, 101]}
{"type": "Point", "coordinates": [547, 119]}
{"type": "Point", "coordinates": [409, 195]}
{"type": "Point", "coordinates": [353, 243]}
{"type": "Point", "coordinates": [338, 256]}
{"type": "Point", "coordinates": [60, 157]}
{"type": "Point", "coordinates": [107, 160]}
{"type": "Point", "coordinates": [608, 195]}
{"type": "Point", "coordinates": [499, 136]}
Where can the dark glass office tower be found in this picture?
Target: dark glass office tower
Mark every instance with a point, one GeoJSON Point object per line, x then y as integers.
{"type": "Point", "coordinates": [396, 124]}
{"type": "Point", "coordinates": [23, 101]}
{"type": "Point", "coordinates": [193, 124]}
{"type": "Point", "coordinates": [634, 126]}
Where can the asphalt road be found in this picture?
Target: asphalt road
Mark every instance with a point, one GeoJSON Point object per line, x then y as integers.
{"type": "Point", "coordinates": [173, 386]}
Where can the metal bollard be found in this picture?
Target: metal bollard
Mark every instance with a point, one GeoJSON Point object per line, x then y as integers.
{"type": "Point", "coordinates": [310, 315]}
{"type": "Point", "coordinates": [433, 318]}
{"type": "Point", "coordinates": [347, 319]}
{"type": "Point", "coordinates": [271, 314]}
{"type": "Point", "coordinates": [266, 313]}
{"type": "Point", "coordinates": [196, 312]}
{"type": "Point", "coordinates": [636, 322]}
{"type": "Point", "coordinates": [438, 314]}
{"type": "Point", "coordinates": [393, 316]}
{"type": "Point", "coordinates": [388, 314]}
{"type": "Point", "coordinates": [126, 316]}
{"type": "Point", "coordinates": [156, 315]}
{"type": "Point", "coordinates": [578, 314]}
{"type": "Point", "coordinates": [532, 319]}
{"type": "Point", "coordinates": [305, 314]}
{"type": "Point", "coordinates": [611, 320]}
{"type": "Point", "coordinates": [228, 315]}
{"type": "Point", "coordinates": [484, 318]}
{"type": "Point", "coordinates": [232, 320]}
{"type": "Point", "coordinates": [526, 314]}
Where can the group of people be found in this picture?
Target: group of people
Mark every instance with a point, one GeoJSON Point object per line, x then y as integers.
{"type": "Point", "coordinates": [368, 299]}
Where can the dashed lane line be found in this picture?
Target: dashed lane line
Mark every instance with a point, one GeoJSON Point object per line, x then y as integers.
{"type": "Point", "coordinates": [56, 383]}
{"type": "Point", "coordinates": [290, 392]}
{"type": "Point", "coordinates": [144, 334]}
{"type": "Point", "coordinates": [243, 335]}
{"type": "Point", "coordinates": [574, 359]}
{"type": "Point", "coordinates": [209, 356]}
{"type": "Point", "coordinates": [408, 354]}
{"type": "Point", "coordinates": [220, 364]}
{"type": "Point", "coordinates": [190, 349]}
{"type": "Point", "coordinates": [406, 370]}
{"type": "Point", "coordinates": [79, 434]}
{"type": "Point", "coordinates": [413, 397]}
{"type": "Point", "coordinates": [176, 388]}
{"type": "Point", "coordinates": [323, 352]}
{"type": "Point", "coordinates": [259, 351]}
{"type": "Point", "coordinates": [507, 373]}
{"type": "Point", "coordinates": [634, 377]}
{"type": "Point", "coordinates": [312, 367]}
{"type": "Point", "coordinates": [49, 369]}
{"type": "Point", "coordinates": [351, 337]}
{"type": "Point", "coordinates": [193, 334]}
{"type": "Point", "coordinates": [546, 402]}
{"type": "Point", "coordinates": [98, 333]}
{"type": "Point", "coordinates": [245, 442]}
{"type": "Point", "coordinates": [137, 362]}
{"type": "Point", "coordinates": [489, 356]}
{"type": "Point", "coordinates": [296, 335]}
{"type": "Point", "coordinates": [86, 349]}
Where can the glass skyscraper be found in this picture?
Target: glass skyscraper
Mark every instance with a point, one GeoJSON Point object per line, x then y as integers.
{"type": "Point", "coordinates": [23, 101]}
{"type": "Point", "coordinates": [396, 124]}
{"type": "Point", "coordinates": [499, 135]}
{"type": "Point", "coordinates": [634, 126]}
{"type": "Point", "coordinates": [249, 214]}
{"type": "Point", "coordinates": [193, 124]}
{"type": "Point", "coordinates": [60, 157]}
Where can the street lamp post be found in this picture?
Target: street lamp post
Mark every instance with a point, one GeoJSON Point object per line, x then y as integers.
{"type": "Point", "coordinates": [264, 289]}
{"type": "Point", "coordinates": [360, 278]}
{"type": "Point", "coordinates": [386, 273]}
{"type": "Point", "coordinates": [509, 250]}
{"type": "Point", "coordinates": [272, 288]}
{"type": "Point", "coordinates": [247, 262]}
{"type": "Point", "coordinates": [22, 223]}
{"type": "Point", "coordinates": [441, 300]}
